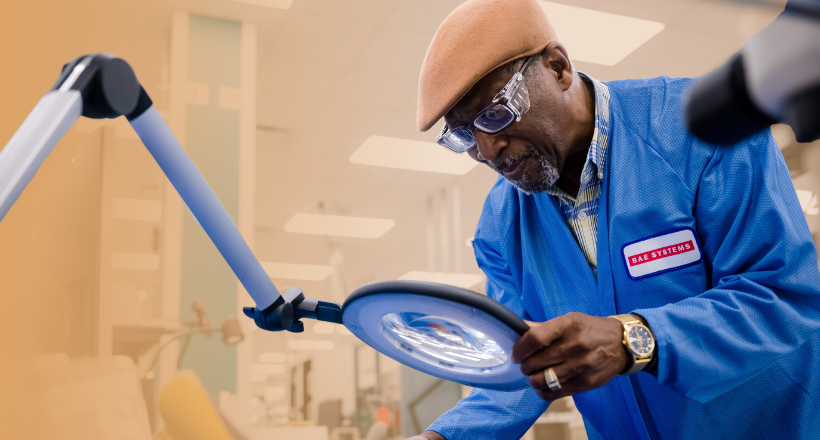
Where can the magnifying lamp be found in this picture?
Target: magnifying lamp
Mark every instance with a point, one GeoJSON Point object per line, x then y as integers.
{"type": "Point", "coordinates": [445, 331]}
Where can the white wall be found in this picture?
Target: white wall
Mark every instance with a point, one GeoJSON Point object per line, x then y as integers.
{"type": "Point", "coordinates": [332, 378]}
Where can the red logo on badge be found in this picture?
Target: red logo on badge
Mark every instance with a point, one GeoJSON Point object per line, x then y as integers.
{"type": "Point", "coordinates": [663, 252]}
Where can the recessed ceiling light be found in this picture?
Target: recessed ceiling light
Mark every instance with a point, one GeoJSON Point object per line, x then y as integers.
{"type": "Point", "coordinates": [339, 226]}
{"type": "Point", "coordinates": [278, 4]}
{"type": "Point", "coordinates": [598, 37]}
{"type": "Point", "coordinates": [382, 151]}
{"type": "Point", "coordinates": [465, 280]}
{"type": "Point", "coordinates": [289, 271]}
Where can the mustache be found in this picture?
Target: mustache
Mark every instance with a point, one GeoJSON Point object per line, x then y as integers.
{"type": "Point", "coordinates": [548, 174]}
{"type": "Point", "coordinates": [510, 161]}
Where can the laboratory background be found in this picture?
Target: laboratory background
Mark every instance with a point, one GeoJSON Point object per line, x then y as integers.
{"type": "Point", "coordinates": [121, 320]}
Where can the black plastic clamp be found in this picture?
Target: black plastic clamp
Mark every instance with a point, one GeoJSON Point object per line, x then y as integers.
{"type": "Point", "coordinates": [108, 85]}
{"type": "Point", "coordinates": [295, 308]}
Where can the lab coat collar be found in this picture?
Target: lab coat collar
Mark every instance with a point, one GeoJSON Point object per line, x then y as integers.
{"type": "Point", "coordinates": [596, 156]}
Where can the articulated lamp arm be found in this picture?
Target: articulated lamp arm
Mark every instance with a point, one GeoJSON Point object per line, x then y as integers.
{"type": "Point", "coordinates": [101, 86]}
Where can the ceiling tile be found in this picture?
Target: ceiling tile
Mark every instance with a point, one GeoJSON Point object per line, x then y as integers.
{"type": "Point", "coordinates": [727, 19]}
{"type": "Point", "coordinates": [420, 16]}
{"type": "Point", "coordinates": [364, 100]}
{"type": "Point", "coordinates": [317, 41]}
{"type": "Point", "coordinates": [280, 76]}
{"type": "Point", "coordinates": [402, 123]}
{"type": "Point", "coordinates": [394, 51]}
{"type": "Point", "coordinates": [366, 11]}
{"type": "Point", "coordinates": [284, 112]}
{"type": "Point", "coordinates": [674, 52]}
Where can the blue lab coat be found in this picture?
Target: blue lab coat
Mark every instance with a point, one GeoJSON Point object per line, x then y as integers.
{"type": "Point", "coordinates": [738, 333]}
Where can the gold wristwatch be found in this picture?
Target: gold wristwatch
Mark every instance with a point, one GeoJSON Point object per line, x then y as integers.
{"type": "Point", "coordinates": [639, 343]}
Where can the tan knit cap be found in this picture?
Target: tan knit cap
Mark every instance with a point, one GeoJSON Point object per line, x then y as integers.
{"type": "Point", "coordinates": [475, 39]}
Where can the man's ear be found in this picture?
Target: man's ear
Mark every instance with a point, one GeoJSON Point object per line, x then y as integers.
{"type": "Point", "coordinates": [556, 59]}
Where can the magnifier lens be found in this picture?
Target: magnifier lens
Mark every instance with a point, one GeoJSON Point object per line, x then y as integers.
{"type": "Point", "coordinates": [443, 342]}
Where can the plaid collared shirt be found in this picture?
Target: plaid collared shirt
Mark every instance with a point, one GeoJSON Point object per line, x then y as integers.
{"type": "Point", "coordinates": [581, 214]}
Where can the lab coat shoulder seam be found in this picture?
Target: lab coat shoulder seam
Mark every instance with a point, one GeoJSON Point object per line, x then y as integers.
{"type": "Point", "coordinates": [655, 150]}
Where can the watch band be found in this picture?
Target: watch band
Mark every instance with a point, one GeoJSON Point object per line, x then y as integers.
{"type": "Point", "coordinates": [634, 364]}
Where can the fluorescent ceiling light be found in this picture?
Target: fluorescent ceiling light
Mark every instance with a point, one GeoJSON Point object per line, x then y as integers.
{"type": "Point", "coordinates": [339, 226]}
{"type": "Point", "coordinates": [267, 368]}
{"type": "Point", "coordinates": [465, 280]}
{"type": "Point", "coordinates": [598, 37]}
{"type": "Point", "coordinates": [288, 271]}
{"type": "Point", "coordinates": [382, 151]}
{"type": "Point", "coordinates": [273, 358]}
{"type": "Point", "coordinates": [278, 4]}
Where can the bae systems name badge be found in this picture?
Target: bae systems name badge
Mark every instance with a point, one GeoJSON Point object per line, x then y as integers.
{"type": "Point", "coordinates": [670, 250]}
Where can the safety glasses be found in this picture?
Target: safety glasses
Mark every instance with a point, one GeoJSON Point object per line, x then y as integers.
{"type": "Point", "coordinates": [508, 105]}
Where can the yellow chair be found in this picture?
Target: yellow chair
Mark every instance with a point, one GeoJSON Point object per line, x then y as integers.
{"type": "Point", "coordinates": [188, 412]}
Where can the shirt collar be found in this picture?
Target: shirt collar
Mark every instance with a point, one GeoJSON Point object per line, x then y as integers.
{"type": "Point", "coordinates": [600, 135]}
{"type": "Point", "coordinates": [596, 157]}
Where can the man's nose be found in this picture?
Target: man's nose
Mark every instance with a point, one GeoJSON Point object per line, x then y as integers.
{"type": "Point", "coordinates": [489, 146]}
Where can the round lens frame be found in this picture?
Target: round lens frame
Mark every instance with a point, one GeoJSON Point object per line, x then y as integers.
{"type": "Point", "coordinates": [437, 340]}
{"type": "Point", "coordinates": [458, 140]}
{"type": "Point", "coordinates": [484, 123]}
{"type": "Point", "coordinates": [367, 309]}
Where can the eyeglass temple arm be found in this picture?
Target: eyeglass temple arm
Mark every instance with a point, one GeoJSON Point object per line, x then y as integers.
{"type": "Point", "coordinates": [507, 92]}
{"type": "Point", "coordinates": [101, 86]}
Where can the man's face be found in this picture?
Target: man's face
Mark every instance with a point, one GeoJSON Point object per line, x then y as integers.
{"type": "Point", "coordinates": [529, 153]}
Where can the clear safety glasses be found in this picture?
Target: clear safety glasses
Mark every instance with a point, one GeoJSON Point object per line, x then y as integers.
{"type": "Point", "coordinates": [508, 105]}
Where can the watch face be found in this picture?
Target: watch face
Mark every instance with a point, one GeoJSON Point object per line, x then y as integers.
{"type": "Point", "coordinates": [640, 341]}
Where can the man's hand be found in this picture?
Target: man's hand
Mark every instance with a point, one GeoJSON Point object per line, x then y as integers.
{"type": "Point", "coordinates": [584, 351]}
{"type": "Point", "coordinates": [428, 435]}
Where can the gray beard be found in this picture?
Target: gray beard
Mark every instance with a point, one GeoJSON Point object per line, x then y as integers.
{"type": "Point", "coordinates": [548, 174]}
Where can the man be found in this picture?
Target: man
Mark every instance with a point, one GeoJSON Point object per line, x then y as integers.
{"type": "Point", "coordinates": [609, 219]}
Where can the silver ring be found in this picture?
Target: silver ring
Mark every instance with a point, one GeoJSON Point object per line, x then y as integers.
{"type": "Point", "coordinates": [552, 379]}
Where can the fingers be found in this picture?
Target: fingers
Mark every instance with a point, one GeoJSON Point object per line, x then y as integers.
{"type": "Point", "coordinates": [585, 352]}
{"type": "Point", "coordinates": [539, 337]}
{"type": "Point", "coordinates": [573, 380]}
{"type": "Point", "coordinates": [574, 384]}
{"type": "Point", "coordinates": [565, 372]}
{"type": "Point", "coordinates": [567, 389]}
{"type": "Point", "coordinates": [557, 353]}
